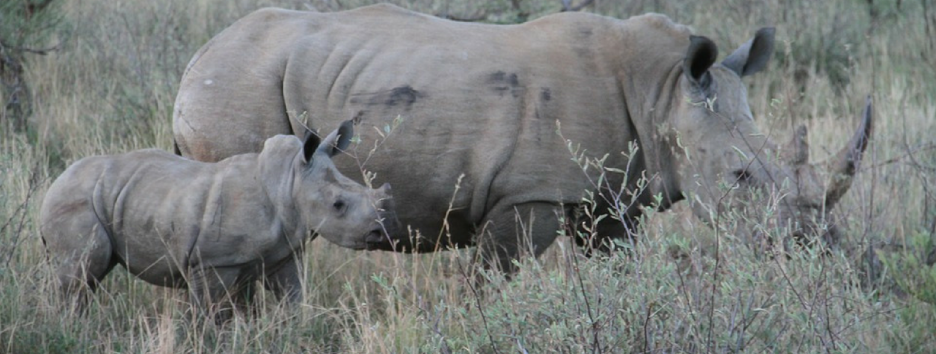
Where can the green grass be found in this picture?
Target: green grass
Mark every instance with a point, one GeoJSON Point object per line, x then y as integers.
{"type": "Point", "coordinates": [110, 88]}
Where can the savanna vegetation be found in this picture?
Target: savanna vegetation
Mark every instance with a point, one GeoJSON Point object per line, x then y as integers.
{"type": "Point", "coordinates": [98, 76]}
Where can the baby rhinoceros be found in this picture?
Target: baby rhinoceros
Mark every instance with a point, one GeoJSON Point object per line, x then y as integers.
{"type": "Point", "coordinates": [213, 228]}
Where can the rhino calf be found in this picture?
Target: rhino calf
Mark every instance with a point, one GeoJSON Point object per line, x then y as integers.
{"type": "Point", "coordinates": [213, 228]}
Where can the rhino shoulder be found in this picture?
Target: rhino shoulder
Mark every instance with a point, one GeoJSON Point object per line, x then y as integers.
{"type": "Point", "coordinates": [281, 147]}
{"type": "Point", "coordinates": [282, 142]}
{"type": "Point", "coordinates": [268, 14]}
{"type": "Point", "coordinates": [151, 152]}
{"type": "Point", "coordinates": [148, 156]}
{"type": "Point", "coordinates": [383, 9]}
{"type": "Point", "coordinates": [660, 22]}
{"type": "Point", "coordinates": [139, 156]}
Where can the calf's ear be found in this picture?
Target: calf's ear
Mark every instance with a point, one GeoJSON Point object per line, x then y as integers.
{"type": "Point", "coordinates": [753, 55]}
{"type": "Point", "coordinates": [699, 58]}
{"type": "Point", "coordinates": [310, 144]}
{"type": "Point", "coordinates": [338, 140]}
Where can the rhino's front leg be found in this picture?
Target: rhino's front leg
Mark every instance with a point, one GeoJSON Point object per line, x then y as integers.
{"type": "Point", "coordinates": [609, 234]}
{"type": "Point", "coordinates": [513, 229]}
{"type": "Point", "coordinates": [284, 282]}
{"type": "Point", "coordinates": [212, 290]}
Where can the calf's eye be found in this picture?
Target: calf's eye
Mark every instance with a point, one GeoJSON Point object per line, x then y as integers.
{"type": "Point", "coordinates": [339, 205]}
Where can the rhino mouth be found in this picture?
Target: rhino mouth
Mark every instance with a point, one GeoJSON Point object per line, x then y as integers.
{"type": "Point", "coordinates": [376, 239]}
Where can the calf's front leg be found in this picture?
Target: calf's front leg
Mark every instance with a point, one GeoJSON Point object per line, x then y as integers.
{"type": "Point", "coordinates": [284, 282]}
{"type": "Point", "coordinates": [213, 290]}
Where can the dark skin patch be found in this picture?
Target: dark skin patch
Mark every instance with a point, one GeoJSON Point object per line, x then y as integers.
{"type": "Point", "coordinates": [545, 94]}
{"type": "Point", "coordinates": [502, 83]}
{"type": "Point", "coordinates": [404, 96]}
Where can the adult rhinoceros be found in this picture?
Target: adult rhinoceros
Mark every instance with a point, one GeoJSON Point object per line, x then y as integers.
{"type": "Point", "coordinates": [480, 105]}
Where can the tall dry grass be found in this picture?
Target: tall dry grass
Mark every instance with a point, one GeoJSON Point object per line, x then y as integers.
{"type": "Point", "coordinates": [111, 85]}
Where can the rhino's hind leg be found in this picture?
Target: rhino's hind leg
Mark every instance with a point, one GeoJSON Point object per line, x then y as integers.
{"type": "Point", "coordinates": [87, 263]}
{"type": "Point", "coordinates": [610, 235]}
{"type": "Point", "coordinates": [513, 230]}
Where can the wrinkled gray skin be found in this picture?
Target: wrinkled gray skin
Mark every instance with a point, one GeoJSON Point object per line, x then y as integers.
{"type": "Point", "coordinates": [482, 101]}
{"type": "Point", "coordinates": [214, 228]}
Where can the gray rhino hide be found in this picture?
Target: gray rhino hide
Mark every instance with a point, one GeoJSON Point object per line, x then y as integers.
{"type": "Point", "coordinates": [213, 227]}
{"type": "Point", "coordinates": [480, 105]}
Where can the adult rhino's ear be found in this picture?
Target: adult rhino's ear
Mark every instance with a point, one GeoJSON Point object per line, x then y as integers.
{"type": "Point", "coordinates": [752, 56]}
{"type": "Point", "coordinates": [310, 144]}
{"type": "Point", "coordinates": [338, 140]}
{"type": "Point", "coordinates": [700, 57]}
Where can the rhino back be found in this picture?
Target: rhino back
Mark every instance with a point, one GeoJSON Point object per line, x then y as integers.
{"type": "Point", "coordinates": [165, 213]}
{"type": "Point", "coordinates": [479, 101]}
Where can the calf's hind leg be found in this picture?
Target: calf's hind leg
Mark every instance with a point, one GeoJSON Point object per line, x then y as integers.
{"type": "Point", "coordinates": [82, 254]}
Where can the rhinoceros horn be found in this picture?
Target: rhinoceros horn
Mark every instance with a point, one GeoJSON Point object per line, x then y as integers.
{"type": "Point", "coordinates": [796, 152]}
{"type": "Point", "coordinates": [843, 166]}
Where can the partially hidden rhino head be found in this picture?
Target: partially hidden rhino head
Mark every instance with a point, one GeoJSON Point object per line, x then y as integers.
{"type": "Point", "coordinates": [314, 195]}
{"type": "Point", "coordinates": [722, 161]}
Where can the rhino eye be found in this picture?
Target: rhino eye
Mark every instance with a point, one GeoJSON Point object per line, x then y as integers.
{"type": "Point", "coordinates": [339, 205]}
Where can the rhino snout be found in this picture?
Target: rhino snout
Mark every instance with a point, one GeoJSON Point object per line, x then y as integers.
{"type": "Point", "coordinates": [377, 239]}
{"type": "Point", "coordinates": [384, 192]}
{"type": "Point", "coordinates": [386, 209]}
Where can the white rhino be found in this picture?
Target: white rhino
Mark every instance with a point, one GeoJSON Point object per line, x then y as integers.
{"type": "Point", "coordinates": [480, 105]}
{"type": "Point", "coordinates": [214, 228]}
